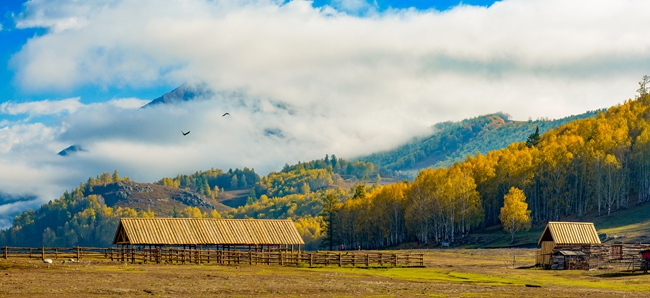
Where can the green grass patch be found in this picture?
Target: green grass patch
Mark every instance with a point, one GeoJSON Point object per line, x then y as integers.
{"type": "Point", "coordinates": [634, 224]}
{"type": "Point", "coordinates": [615, 281]}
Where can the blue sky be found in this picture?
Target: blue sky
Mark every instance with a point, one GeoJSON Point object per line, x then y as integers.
{"type": "Point", "coordinates": [344, 77]}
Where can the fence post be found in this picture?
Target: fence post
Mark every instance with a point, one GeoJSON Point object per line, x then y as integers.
{"type": "Point", "coordinates": [311, 259]}
{"type": "Point", "coordinates": [5, 252]}
{"type": "Point", "coordinates": [367, 260]}
{"type": "Point", "coordinates": [395, 260]}
{"type": "Point", "coordinates": [78, 255]}
{"type": "Point", "coordinates": [42, 252]}
{"type": "Point", "coordinates": [339, 259]}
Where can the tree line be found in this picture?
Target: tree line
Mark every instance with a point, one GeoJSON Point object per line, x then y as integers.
{"type": "Point", "coordinates": [211, 182]}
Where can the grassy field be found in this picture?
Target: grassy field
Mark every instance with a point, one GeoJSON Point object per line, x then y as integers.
{"type": "Point", "coordinates": [448, 273]}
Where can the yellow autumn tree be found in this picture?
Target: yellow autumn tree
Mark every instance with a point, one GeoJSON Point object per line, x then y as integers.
{"type": "Point", "coordinates": [192, 212]}
{"type": "Point", "coordinates": [515, 215]}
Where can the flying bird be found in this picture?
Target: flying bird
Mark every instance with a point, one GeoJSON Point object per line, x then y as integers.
{"type": "Point", "coordinates": [185, 133]}
{"type": "Point", "coordinates": [225, 114]}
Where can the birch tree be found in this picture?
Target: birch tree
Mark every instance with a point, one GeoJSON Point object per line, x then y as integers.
{"type": "Point", "coordinates": [515, 215]}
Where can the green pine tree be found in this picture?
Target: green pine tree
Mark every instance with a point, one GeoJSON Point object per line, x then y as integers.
{"type": "Point", "coordinates": [533, 138]}
{"type": "Point", "coordinates": [330, 210]}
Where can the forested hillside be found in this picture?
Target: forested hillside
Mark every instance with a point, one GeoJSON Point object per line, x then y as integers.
{"type": "Point", "coordinates": [454, 141]}
{"type": "Point", "coordinates": [596, 165]}
{"type": "Point", "coordinates": [88, 215]}
{"type": "Point", "coordinates": [301, 178]}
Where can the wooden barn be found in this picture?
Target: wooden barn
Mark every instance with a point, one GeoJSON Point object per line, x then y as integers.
{"type": "Point", "coordinates": [200, 233]}
{"type": "Point", "coordinates": [567, 245]}
{"type": "Point", "coordinates": [231, 241]}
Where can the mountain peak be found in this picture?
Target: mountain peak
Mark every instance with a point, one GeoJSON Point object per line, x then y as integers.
{"type": "Point", "coordinates": [185, 92]}
{"type": "Point", "coordinates": [70, 150]}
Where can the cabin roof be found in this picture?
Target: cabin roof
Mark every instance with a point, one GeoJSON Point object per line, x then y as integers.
{"type": "Point", "coordinates": [570, 233]}
{"type": "Point", "coordinates": [206, 231]}
{"type": "Point", "coordinates": [571, 253]}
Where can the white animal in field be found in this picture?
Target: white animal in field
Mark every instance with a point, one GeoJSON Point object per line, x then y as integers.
{"type": "Point", "coordinates": [48, 261]}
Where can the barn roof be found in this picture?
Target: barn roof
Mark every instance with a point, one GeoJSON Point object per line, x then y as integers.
{"type": "Point", "coordinates": [205, 231]}
{"type": "Point", "coordinates": [569, 233]}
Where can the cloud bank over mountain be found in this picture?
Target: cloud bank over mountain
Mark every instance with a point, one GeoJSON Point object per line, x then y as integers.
{"type": "Point", "coordinates": [299, 81]}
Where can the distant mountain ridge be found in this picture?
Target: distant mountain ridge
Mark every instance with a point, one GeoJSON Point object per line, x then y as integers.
{"type": "Point", "coordinates": [449, 142]}
{"type": "Point", "coordinates": [454, 141]}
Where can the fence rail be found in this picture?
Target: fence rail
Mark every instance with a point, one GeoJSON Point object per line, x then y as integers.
{"type": "Point", "coordinates": [77, 252]}
{"type": "Point", "coordinates": [198, 256]}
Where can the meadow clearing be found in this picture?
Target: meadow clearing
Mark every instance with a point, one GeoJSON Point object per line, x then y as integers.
{"type": "Point", "coordinates": [448, 273]}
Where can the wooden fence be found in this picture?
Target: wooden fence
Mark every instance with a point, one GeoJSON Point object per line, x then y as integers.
{"type": "Point", "coordinates": [199, 256]}
{"type": "Point", "coordinates": [54, 253]}
{"type": "Point", "coordinates": [283, 258]}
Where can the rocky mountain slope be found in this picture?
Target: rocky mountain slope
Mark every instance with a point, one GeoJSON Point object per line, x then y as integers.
{"type": "Point", "coordinates": [162, 200]}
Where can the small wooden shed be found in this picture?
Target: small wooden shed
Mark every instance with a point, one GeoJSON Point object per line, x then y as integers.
{"type": "Point", "coordinates": [568, 259]}
{"type": "Point", "coordinates": [223, 234]}
{"type": "Point", "coordinates": [565, 236]}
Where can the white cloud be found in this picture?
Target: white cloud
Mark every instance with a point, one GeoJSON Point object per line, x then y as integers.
{"type": "Point", "coordinates": [404, 59]}
{"type": "Point", "coordinates": [59, 15]}
{"type": "Point", "coordinates": [38, 108]}
{"type": "Point", "coordinates": [327, 81]}
{"type": "Point", "coordinates": [129, 103]}
{"type": "Point", "coordinates": [24, 139]}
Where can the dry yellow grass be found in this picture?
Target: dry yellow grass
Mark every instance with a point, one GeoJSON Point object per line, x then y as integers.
{"type": "Point", "coordinates": [448, 273]}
